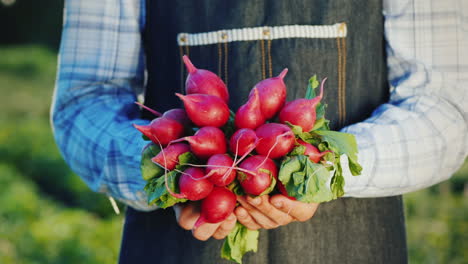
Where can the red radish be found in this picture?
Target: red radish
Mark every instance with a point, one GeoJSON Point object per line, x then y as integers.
{"type": "Point", "coordinates": [250, 115]}
{"type": "Point", "coordinates": [205, 110]}
{"type": "Point", "coordinates": [277, 140]}
{"type": "Point", "coordinates": [272, 93]}
{"type": "Point", "coordinates": [193, 186]}
{"type": "Point", "coordinates": [217, 206]}
{"type": "Point", "coordinates": [169, 156]}
{"type": "Point", "coordinates": [262, 170]}
{"type": "Point", "coordinates": [301, 112]}
{"type": "Point", "coordinates": [206, 142]}
{"type": "Point", "coordinates": [314, 154]}
{"type": "Point", "coordinates": [220, 176]}
{"type": "Point", "coordinates": [204, 82]}
{"type": "Point", "coordinates": [162, 130]}
{"type": "Point", "coordinates": [179, 115]}
{"type": "Point", "coordinates": [242, 140]}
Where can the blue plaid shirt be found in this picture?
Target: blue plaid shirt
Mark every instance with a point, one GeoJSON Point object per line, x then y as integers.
{"type": "Point", "coordinates": [417, 139]}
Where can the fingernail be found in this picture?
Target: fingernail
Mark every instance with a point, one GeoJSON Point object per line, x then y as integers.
{"type": "Point", "coordinates": [232, 217]}
{"type": "Point", "coordinates": [278, 204]}
{"type": "Point", "coordinates": [255, 201]}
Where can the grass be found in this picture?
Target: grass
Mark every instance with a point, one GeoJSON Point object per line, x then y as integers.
{"type": "Point", "coordinates": [48, 215]}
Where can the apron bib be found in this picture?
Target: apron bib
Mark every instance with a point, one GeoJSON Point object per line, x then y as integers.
{"type": "Point", "coordinates": [245, 42]}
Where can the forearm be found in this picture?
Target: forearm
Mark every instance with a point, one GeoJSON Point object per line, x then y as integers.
{"type": "Point", "coordinates": [420, 137]}
{"type": "Point", "coordinates": [98, 141]}
{"type": "Point", "coordinates": [407, 147]}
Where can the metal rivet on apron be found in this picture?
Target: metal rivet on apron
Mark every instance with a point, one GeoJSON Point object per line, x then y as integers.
{"type": "Point", "coordinates": [183, 39]}
{"type": "Point", "coordinates": [224, 36]}
{"type": "Point", "coordinates": [266, 32]}
{"type": "Point", "coordinates": [342, 28]}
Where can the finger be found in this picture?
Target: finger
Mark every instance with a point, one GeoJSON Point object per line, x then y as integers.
{"type": "Point", "coordinates": [226, 227]}
{"type": "Point", "coordinates": [261, 219]}
{"type": "Point", "coordinates": [266, 208]}
{"type": "Point", "coordinates": [298, 210]}
{"type": "Point", "coordinates": [244, 218]}
{"type": "Point", "coordinates": [189, 214]}
{"type": "Point", "coordinates": [205, 231]}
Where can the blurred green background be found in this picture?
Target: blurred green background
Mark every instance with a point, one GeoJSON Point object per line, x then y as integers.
{"type": "Point", "coordinates": [47, 214]}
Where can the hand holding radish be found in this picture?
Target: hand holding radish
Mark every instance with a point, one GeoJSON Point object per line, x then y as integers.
{"type": "Point", "coordinates": [188, 216]}
{"type": "Point", "coordinates": [266, 166]}
{"type": "Point", "coordinates": [271, 212]}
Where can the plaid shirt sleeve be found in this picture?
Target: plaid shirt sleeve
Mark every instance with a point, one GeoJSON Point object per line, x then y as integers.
{"type": "Point", "coordinates": [100, 66]}
{"type": "Point", "coordinates": [420, 137]}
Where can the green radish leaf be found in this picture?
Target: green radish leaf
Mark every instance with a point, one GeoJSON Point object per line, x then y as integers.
{"type": "Point", "coordinates": [297, 131]}
{"type": "Point", "coordinates": [330, 157]}
{"type": "Point", "coordinates": [186, 158]}
{"type": "Point", "coordinates": [320, 112]}
{"type": "Point", "coordinates": [343, 143]}
{"type": "Point", "coordinates": [337, 182]}
{"type": "Point", "coordinates": [158, 194]}
{"type": "Point", "coordinates": [354, 167]}
{"type": "Point", "coordinates": [236, 188]}
{"type": "Point", "coordinates": [232, 115]}
{"type": "Point", "coordinates": [323, 146]}
{"type": "Point", "coordinates": [241, 176]}
{"type": "Point", "coordinates": [320, 108]}
{"type": "Point", "coordinates": [229, 128]}
{"type": "Point", "coordinates": [240, 241]}
{"type": "Point", "coordinates": [318, 123]}
{"type": "Point", "coordinates": [298, 150]}
{"type": "Point", "coordinates": [313, 83]}
{"type": "Point", "coordinates": [272, 184]}
{"type": "Point", "coordinates": [339, 142]}
{"type": "Point", "coordinates": [321, 124]}
{"type": "Point", "coordinates": [304, 180]}
{"type": "Point", "coordinates": [148, 169]}
{"type": "Point", "coordinates": [145, 137]}
{"type": "Point", "coordinates": [310, 137]}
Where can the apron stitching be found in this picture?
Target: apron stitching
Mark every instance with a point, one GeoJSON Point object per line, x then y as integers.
{"type": "Point", "coordinates": [270, 63]}
{"type": "Point", "coordinates": [220, 60]}
{"type": "Point", "coordinates": [343, 82]}
{"type": "Point", "coordinates": [341, 46]}
{"type": "Point", "coordinates": [263, 59]}
{"type": "Point", "coordinates": [341, 43]}
{"type": "Point", "coordinates": [267, 35]}
{"type": "Point", "coordinates": [226, 63]}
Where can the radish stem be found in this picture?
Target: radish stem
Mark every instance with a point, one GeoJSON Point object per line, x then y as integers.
{"type": "Point", "coordinates": [156, 113]}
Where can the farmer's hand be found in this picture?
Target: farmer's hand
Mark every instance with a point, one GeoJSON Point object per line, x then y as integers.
{"type": "Point", "coordinates": [271, 212]}
{"type": "Point", "coordinates": [187, 214]}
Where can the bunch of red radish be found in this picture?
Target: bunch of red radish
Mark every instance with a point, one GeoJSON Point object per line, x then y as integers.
{"type": "Point", "coordinates": [250, 155]}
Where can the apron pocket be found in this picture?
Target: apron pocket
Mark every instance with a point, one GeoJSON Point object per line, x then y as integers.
{"type": "Point", "coordinates": [262, 52]}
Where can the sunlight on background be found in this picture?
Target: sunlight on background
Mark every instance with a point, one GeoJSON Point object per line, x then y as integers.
{"type": "Point", "coordinates": [7, 2]}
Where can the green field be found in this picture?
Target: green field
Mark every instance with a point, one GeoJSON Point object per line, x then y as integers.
{"type": "Point", "coordinates": [47, 214]}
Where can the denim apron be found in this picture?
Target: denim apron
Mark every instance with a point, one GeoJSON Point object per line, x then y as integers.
{"type": "Point", "coordinates": [245, 42]}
